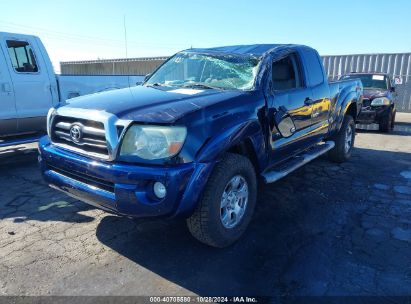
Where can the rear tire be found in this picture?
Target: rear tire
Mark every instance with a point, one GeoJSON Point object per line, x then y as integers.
{"type": "Point", "coordinates": [344, 141]}
{"type": "Point", "coordinates": [386, 124]}
{"type": "Point", "coordinates": [211, 223]}
{"type": "Point", "coordinates": [393, 121]}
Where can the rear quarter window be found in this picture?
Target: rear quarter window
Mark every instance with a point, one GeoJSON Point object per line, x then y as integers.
{"type": "Point", "coordinates": [314, 67]}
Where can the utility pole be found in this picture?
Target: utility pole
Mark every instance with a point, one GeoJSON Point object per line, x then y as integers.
{"type": "Point", "coordinates": [125, 34]}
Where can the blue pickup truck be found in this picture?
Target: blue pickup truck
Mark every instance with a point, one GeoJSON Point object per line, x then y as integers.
{"type": "Point", "coordinates": [199, 135]}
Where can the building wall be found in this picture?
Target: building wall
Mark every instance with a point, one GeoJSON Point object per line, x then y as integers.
{"type": "Point", "coordinates": [131, 66]}
{"type": "Point", "coordinates": [335, 66]}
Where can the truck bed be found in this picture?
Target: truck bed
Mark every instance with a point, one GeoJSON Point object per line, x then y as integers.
{"type": "Point", "coordinates": [340, 85]}
{"type": "Point", "coordinates": [339, 90]}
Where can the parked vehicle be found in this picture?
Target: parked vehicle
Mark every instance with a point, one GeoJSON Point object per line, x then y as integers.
{"type": "Point", "coordinates": [29, 87]}
{"type": "Point", "coordinates": [379, 100]}
{"type": "Point", "coordinates": [195, 139]}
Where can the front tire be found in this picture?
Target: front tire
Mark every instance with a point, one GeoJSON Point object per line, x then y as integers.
{"type": "Point", "coordinates": [344, 141]}
{"type": "Point", "coordinates": [386, 124]}
{"type": "Point", "coordinates": [227, 204]}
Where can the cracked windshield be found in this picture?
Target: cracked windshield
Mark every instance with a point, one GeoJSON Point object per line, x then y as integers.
{"type": "Point", "coordinates": [207, 71]}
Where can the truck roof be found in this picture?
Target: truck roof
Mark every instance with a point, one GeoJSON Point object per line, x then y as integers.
{"type": "Point", "coordinates": [15, 35]}
{"type": "Point", "coordinates": [252, 49]}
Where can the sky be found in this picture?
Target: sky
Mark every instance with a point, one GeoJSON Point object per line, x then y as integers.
{"type": "Point", "coordinates": [94, 29]}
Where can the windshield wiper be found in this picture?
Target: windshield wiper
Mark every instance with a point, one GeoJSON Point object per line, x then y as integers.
{"type": "Point", "coordinates": [156, 84]}
{"type": "Point", "coordinates": [200, 85]}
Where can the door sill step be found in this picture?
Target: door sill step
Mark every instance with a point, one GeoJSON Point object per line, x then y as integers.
{"type": "Point", "coordinates": [274, 174]}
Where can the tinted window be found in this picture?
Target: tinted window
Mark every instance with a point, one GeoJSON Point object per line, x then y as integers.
{"type": "Point", "coordinates": [314, 67]}
{"type": "Point", "coordinates": [286, 73]}
{"type": "Point", "coordinates": [22, 56]}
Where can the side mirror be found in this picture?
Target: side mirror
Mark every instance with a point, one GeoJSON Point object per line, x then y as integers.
{"type": "Point", "coordinates": [286, 127]}
{"type": "Point", "coordinates": [392, 89]}
{"type": "Point", "coordinates": [285, 124]}
{"type": "Point", "coordinates": [147, 77]}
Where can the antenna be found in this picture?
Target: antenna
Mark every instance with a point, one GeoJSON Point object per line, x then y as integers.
{"type": "Point", "coordinates": [125, 34]}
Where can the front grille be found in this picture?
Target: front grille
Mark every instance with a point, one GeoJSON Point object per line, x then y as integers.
{"type": "Point", "coordinates": [86, 179]}
{"type": "Point", "coordinates": [90, 139]}
{"type": "Point", "coordinates": [366, 102]}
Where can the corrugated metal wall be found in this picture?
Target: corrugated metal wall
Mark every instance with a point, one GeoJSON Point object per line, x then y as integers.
{"type": "Point", "coordinates": [335, 66]}
{"type": "Point", "coordinates": [397, 65]}
{"type": "Point", "coordinates": [131, 66]}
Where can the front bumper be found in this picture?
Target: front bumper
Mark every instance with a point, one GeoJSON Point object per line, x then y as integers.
{"type": "Point", "coordinates": [373, 114]}
{"type": "Point", "coordinates": [125, 189]}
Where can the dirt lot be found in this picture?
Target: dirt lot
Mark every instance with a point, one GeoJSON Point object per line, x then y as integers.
{"type": "Point", "coordinates": [323, 230]}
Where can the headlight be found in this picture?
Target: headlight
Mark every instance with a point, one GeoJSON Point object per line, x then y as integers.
{"type": "Point", "coordinates": [50, 115]}
{"type": "Point", "coordinates": [153, 142]}
{"type": "Point", "coordinates": [380, 101]}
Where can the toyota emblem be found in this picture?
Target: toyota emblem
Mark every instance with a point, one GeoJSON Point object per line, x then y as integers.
{"type": "Point", "coordinates": [76, 133]}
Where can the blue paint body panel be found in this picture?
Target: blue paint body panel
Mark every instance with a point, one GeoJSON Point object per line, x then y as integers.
{"type": "Point", "coordinates": [132, 185]}
{"type": "Point", "coordinates": [217, 121]}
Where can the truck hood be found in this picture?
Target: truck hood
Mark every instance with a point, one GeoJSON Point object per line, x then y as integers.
{"type": "Point", "coordinates": [153, 105]}
{"type": "Point", "coordinates": [374, 93]}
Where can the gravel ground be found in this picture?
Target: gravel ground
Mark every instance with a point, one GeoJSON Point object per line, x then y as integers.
{"type": "Point", "coordinates": [325, 229]}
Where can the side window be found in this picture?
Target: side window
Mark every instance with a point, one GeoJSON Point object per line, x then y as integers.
{"type": "Point", "coordinates": [286, 73]}
{"type": "Point", "coordinates": [22, 56]}
{"type": "Point", "coordinates": [314, 67]}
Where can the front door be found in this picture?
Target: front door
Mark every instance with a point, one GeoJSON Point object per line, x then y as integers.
{"type": "Point", "coordinates": [8, 113]}
{"type": "Point", "coordinates": [31, 84]}
{"type": "Point", "coordinates": [290, 108]}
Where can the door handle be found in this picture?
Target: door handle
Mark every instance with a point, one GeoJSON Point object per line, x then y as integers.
{"type": "Point", "coordinates": [6, 87]}
{"type": "Point", "coordinates": [308, 101]}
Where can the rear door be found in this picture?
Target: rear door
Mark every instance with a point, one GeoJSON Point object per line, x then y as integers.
{"type": "Point", "coordinates": [8, 113]}
{"type": "Point", "coordinates": [31, 82]}
{"type": "Point", "coordinates": [320, 91]}
{"type": "Point", "coordinates": [290, 107]}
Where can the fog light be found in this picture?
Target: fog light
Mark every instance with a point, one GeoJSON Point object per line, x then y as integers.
{"type": "Point", "coordinates": [159, 190]}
